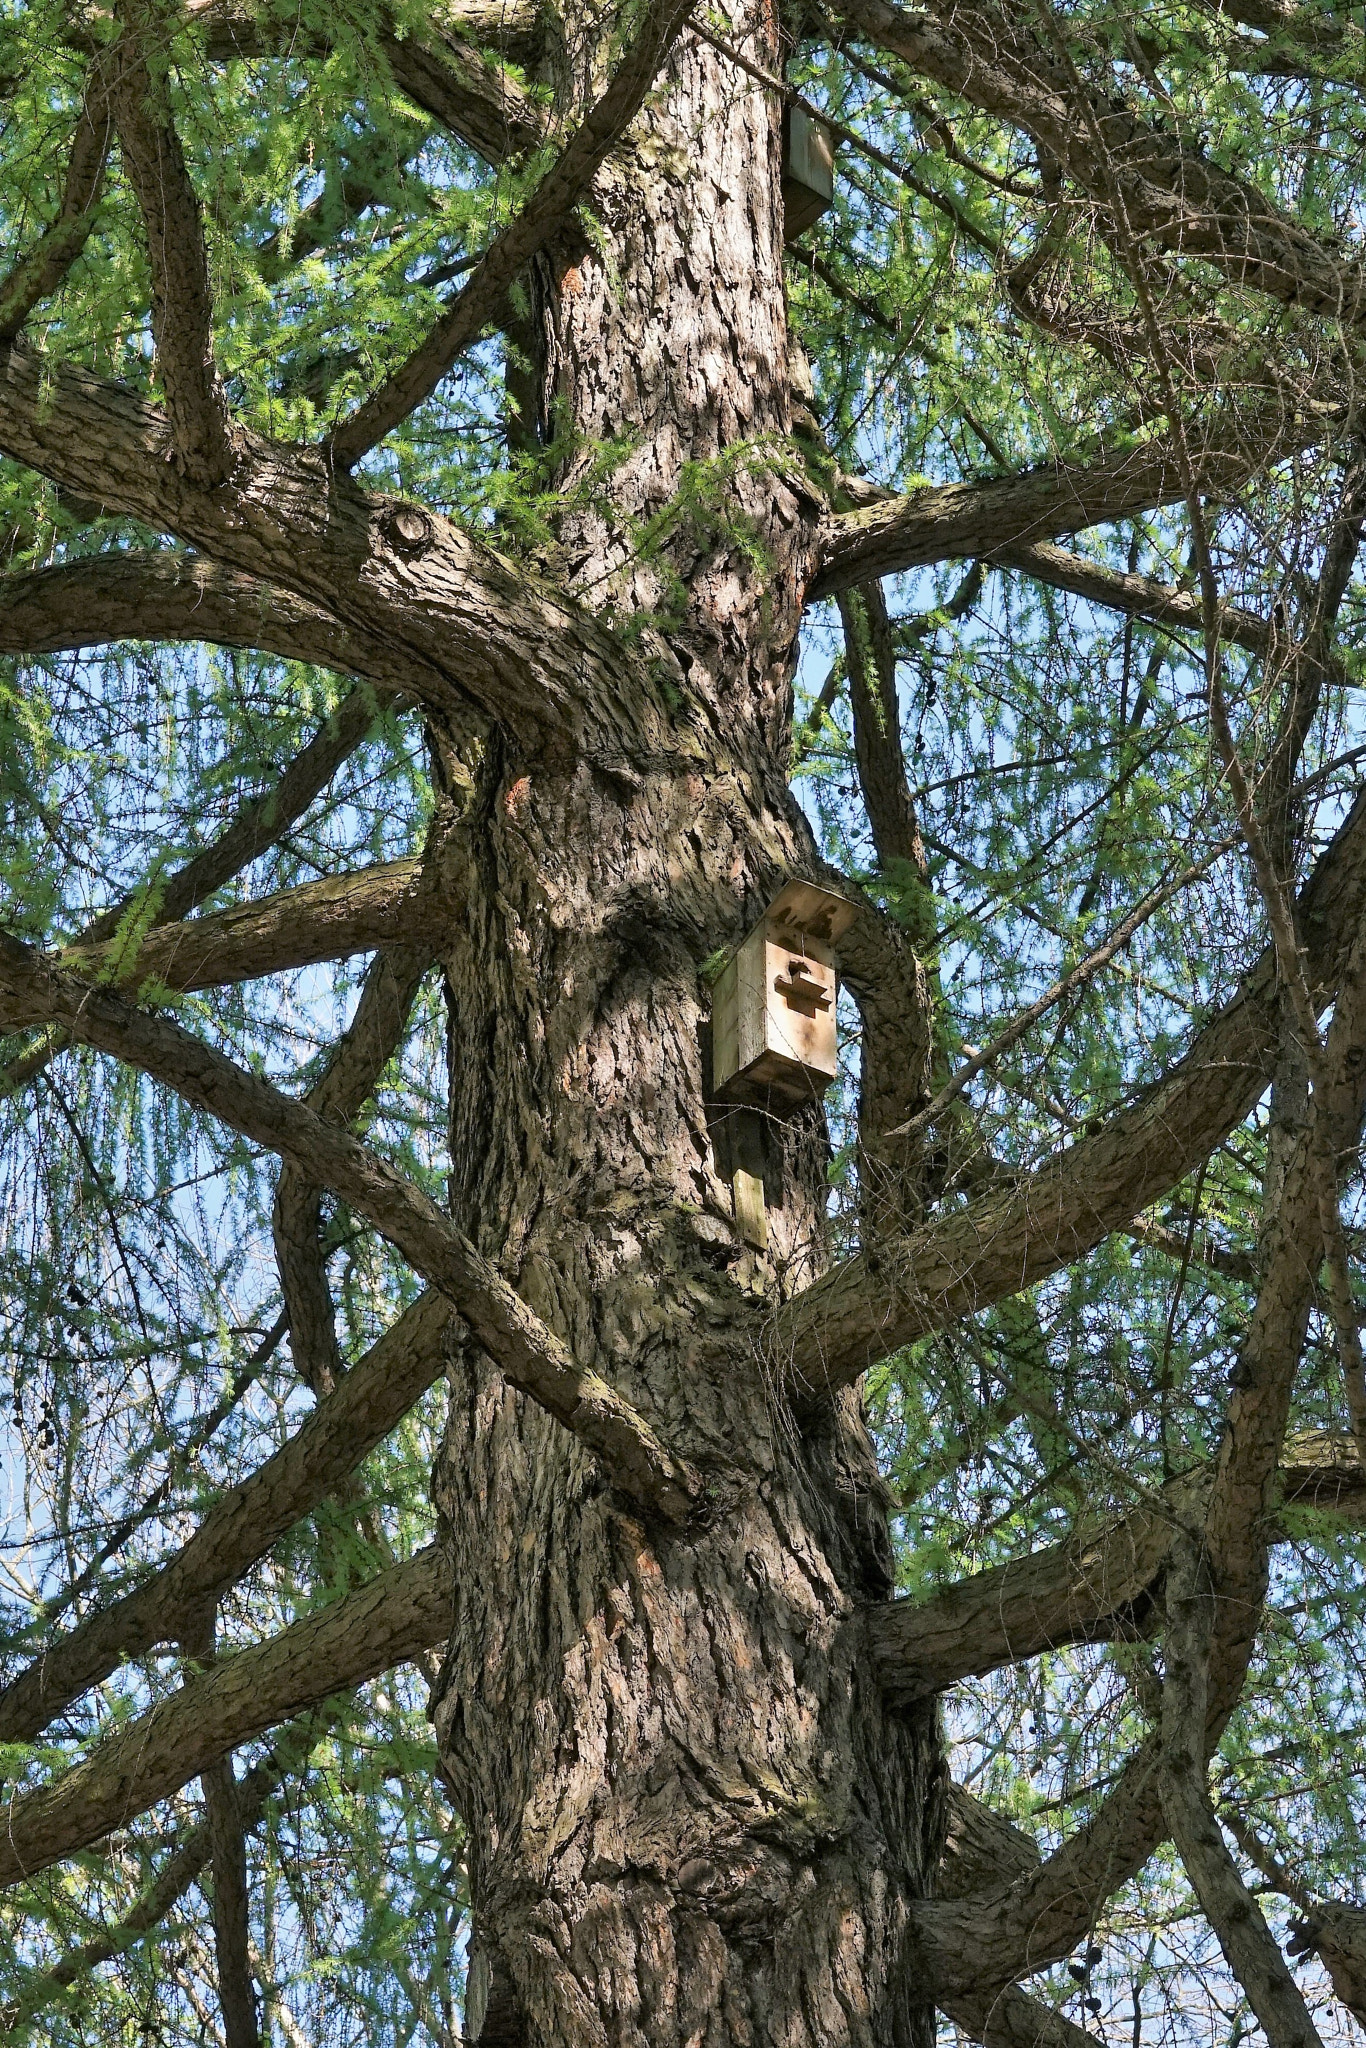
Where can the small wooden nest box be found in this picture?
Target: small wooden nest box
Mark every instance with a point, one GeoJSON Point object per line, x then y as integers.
{"type": "Point", "coordinates": [773, 1005]}
{"type": "Point", "coordinates": [808, 171]}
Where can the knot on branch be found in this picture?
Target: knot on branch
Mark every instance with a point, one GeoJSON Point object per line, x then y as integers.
{"type": "Point", "coordinates": [407, 529]}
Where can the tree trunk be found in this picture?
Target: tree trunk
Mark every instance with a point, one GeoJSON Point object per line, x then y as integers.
{"type": "Point", "coordinates": [691, 1818]}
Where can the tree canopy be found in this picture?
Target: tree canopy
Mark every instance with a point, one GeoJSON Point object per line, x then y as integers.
{"type": "Point", "coordinates": [286, 500]}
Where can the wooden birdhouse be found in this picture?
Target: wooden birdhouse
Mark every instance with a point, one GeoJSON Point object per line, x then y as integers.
{"type": "Point", "coordinates": [773, 1006]}
{"type": "Point", "coordinates": [808, 171]}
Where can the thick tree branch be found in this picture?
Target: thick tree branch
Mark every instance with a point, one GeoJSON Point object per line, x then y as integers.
{"type": "Point", "coordinates": [983, 1852]}
{"type": "Point", "coordinates": [438, 69]}
{"type": "Point", "coordinates": [475, 97]}
{"type": "Point", "coordinates": [887, 980]}
{"type": "Point", "coordinates": [870, 664]}
{"type": "Point", "coordinates": [981, 1848]}
{"type": "Point", "coordinates": [972, 1946]}
{"type": "Point", "coordinates": [1336, 1934]}
{"type": "Point", "coordinates": [450, 619]}
{"type": "Point", "coordinates": [1096, 1585]}
{"type": "Point", "coordinates": [895, 1065]}
{"type": "Point", "coordinates": [230, 1905]}
{"type": "Point", "coordinates": [163, 595]}
{"type": "Point", "coordinates": [1303, 670]}
{"type": "Point", "coordinates": [182, 296]}
{"type": "Point", "coordinates": [396, 902]}
{"type": "Point", "coordinates": [1012, 1236]}
{"type": "Point", "coordinates": [1232, 1912]}
{"type": "Point", "coordinates": [242, 1526]}
{"type": "Point", "coordinates": [398, 1614]}
{"type": "Point", "coordinates": [530, 1355]}
{"type": "Point", "coordinates": [1143, 597]}
{"type": "Point", "coordinates": [1100, 1584]}
{"type": "Point", "coordinates": [1238, 1522]}
{"type": "Point", "coordinates": [888, 964]}
{"type": "Point", "coordinates": [999, 513]}
{"type": "Point", "coordinates": [548, 209]}
{"type": "Point", "coordinates": [1294, 42]}
{"type": "Point", "coordinates": [1041, 1916]}
{"type": "Point", "coordinates": [232, 30]}
{"type": "Point", "coordinates": [36, 276]}
{"type": "Point", "coordinates": [261, 822]}
{"type": "Point", "coordinates": [288, 1752]}
{"type": "Point", "coordinates": [374, 1035]}
{"type": "Point", "coordinates": [1171, 195]}
{"type": "Point", "coordinates": [1328, 35]}
{"type": "Point", "coordinates": [1012, 2019]}
{"type": "Point", "coordinates": [1321, 1471]}
{"type": "Point", "coordinates": [1302, 1015]}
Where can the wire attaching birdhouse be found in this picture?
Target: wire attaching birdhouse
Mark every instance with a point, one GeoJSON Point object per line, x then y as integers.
{"type": "Point", "coordinates": [808, 171]}
{"type": "Point", "coordinates": [773, 1007]}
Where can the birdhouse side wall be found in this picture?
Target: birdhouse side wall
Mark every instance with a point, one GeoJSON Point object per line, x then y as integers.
{"type": "Point", "coordinates": [738, 1012]}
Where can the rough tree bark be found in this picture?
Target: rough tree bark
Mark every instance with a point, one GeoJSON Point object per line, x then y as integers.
{"type": "Point", "coordinates": [691, 1816]}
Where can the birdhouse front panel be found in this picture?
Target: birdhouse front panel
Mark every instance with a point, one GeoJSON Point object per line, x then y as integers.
{"type": "Point", "coordinates": [773, 1018]}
